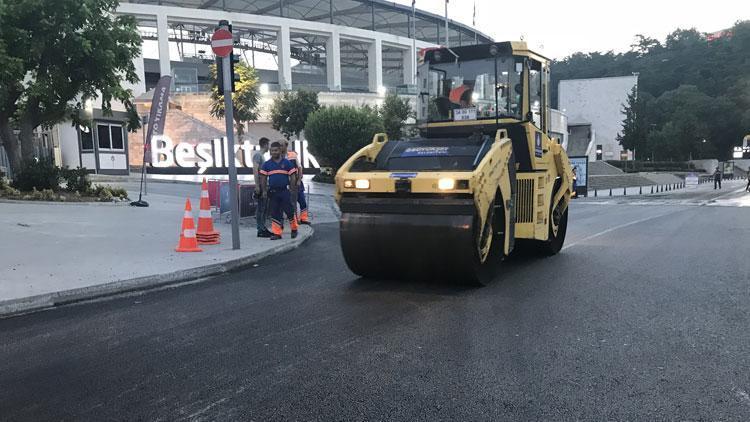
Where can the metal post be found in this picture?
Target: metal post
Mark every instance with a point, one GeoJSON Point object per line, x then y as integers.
{"type": "Point", "coordinates": [414, 40]}
{"type": "Point", "coordinates": [229, 115]}
{"type": "Point", "coordinates": [144, 179]}
{"type": "Point", "coordinates": [142, 188]}
{"type": "Point", "coordinates": [447, 32]}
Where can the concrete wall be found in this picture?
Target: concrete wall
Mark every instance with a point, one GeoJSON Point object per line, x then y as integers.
{"type": "Point", "coordinates": [600, 102]}
{"type": "Point", "coordinates": [68, 144]}
{"type": "Point", "coordinates": [558, 126]}
{"type": "Point", "coordinates": [742, 164]}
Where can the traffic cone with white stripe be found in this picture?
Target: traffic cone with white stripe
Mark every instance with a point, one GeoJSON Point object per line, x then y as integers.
{"type": "Point", "coordinates": [188, 242]}
{"type": "Point", "coordinates": [206, 234]}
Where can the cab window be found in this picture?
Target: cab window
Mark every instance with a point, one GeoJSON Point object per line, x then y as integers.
{"type": "Point", "coordinates": [535, 92]}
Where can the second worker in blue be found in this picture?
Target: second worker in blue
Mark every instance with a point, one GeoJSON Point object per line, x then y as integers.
{"type": "Point", "coordinates": [278, 178]}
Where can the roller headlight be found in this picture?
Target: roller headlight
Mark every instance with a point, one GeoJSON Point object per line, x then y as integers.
{"type": "Point", "coordinates": [357, 184]}
{"type": "Point", "coordinates": [446, 184]}
{"type": "Point", "coordinates": [362, 184]}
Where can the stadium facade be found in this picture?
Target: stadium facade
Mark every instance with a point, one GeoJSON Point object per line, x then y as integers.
{"type": "Point", "coordinates": [351, 51]}
{"type": "Point", "coordinates": [326, 45]}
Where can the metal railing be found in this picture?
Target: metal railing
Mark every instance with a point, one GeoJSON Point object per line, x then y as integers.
{"type": "Point", "coordinates": [4, 163]}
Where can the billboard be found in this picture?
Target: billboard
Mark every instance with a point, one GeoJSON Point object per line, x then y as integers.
{"type": "Point", "coordinates": [580, 166]}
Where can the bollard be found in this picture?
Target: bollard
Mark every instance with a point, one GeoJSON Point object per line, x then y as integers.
{"type": "Point", "coordinates": [652, 189]}
{"type": "Point", "coordinates": [625, 191]}
{"type": "Point", "coordinates": [595, 195]}
{"type": "Point", "coordinates": [640, 190]}
{"type": "Point", "coordinates": [610, 191]}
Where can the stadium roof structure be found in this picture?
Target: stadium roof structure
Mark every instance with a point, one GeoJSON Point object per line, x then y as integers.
{"type": "Point", "coordinates": [375, 15]}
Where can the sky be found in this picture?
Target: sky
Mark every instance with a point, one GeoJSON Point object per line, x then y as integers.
{"type": "Point", "coordinates": [560, 28]}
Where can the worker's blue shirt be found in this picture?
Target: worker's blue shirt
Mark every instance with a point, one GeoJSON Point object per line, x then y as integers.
{"type": "Point", "coordinates": [278, 173]}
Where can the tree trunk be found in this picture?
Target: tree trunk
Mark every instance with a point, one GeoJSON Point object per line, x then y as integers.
{"type": "Point", "coordinates": [10, 143]}
{"type": "Point", "coordinates": [26, 138]}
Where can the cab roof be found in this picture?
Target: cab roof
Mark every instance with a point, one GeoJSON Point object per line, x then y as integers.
{"type": "Point", "coordinates": [482, 51]}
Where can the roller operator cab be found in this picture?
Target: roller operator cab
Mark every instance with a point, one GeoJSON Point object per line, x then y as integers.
{"type": "Point", "coordinates": [482, 176]}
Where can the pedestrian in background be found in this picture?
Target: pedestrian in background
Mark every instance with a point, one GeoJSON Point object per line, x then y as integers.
{"type": "Point", "coordinates": [747, 188]}
{"type": "Point", "coordinates": [303, 217]}
{"type": "Point", "coordinates": [717, 178]}
{"type": "Point", "coordinates": [278, 178]}
{"type": "Point", "coordinates": [261, 210]}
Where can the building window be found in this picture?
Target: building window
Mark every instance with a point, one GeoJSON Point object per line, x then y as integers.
{"type": "Point", "coordinates": [110, 137]}
{"type": "Point", "coordinates": [87, 140]}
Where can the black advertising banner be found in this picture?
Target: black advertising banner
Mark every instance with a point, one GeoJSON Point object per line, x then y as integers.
{"type": "Point", "coordinates": [159, 106]}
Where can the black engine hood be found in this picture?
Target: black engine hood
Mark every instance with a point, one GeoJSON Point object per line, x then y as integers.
{"type": "Point", "coordinates": [433, 154]}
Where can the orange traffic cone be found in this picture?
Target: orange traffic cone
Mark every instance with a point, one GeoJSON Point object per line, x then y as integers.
{"type": "Point", "coordinates": [206, 234]}
{"type": "Point", "coordinates": [188, 243]}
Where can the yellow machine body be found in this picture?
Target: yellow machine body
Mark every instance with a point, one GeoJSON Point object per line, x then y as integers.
{"type": "Point", "coordinates": [453, 202]}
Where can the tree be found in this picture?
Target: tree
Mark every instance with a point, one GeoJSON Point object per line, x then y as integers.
{"type": "Point", "coordinates": [54, 57]}
{"type": "Point", "coordinates": [692, 89]}
{"type": "Point", "coordinates": [290, 111]}
{"type": "Point", "coordinates": [394, 113]}
{"type": "Point", "coordinates": [644, 45]}
{"type": "Point", "coordinates": [336, 133]}
{"type": "Point", "coordinates": [244, 100]}
{"type": "Point", "coordinates": [635, 126]}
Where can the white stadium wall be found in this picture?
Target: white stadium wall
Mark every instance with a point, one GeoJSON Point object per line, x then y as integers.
{"type": "Point", "coordinates": [599, 102]}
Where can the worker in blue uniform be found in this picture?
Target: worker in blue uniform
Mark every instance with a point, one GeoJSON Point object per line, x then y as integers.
{"type": "Point", "coordinates": [293, 157]}
{"type": "Point", "coordinates": [278, 178]}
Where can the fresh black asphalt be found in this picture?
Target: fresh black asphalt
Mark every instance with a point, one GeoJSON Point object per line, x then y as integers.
{"type": "Point", "coordinates": [644, 316]}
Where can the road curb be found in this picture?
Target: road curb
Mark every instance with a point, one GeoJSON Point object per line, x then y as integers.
{"type": "Point", "coordinates": [87, 203]}
{"type": "Point", "coordinates": [25, 305]}
{"type": "Point", "coordinates": [132, 179]}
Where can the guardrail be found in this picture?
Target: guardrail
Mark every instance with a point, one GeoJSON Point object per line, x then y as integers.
{"type": "Point", "coordinates": [651, 189]}
{"type": "Point", "coordinates": [638, 190]}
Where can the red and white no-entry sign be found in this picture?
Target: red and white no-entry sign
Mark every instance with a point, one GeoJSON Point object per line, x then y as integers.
{"type": "Point", "coordinates": [222, 42]}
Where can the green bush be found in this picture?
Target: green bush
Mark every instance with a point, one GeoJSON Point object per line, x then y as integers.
{"type": "Point", "coordinates": [324, 178]}
{"type": "Point", "coordinates": [37, 174]}
{"type": "Point", "coordinates": [76, 180]}
{"type": "Point", "coordinates": [7, 191]}
{"type": "Point", "coordinates": [394, 113]}
{"type": "Point", "coordinates": [107, 193]}
{"type": "Point", "coordinates": [336, 133]}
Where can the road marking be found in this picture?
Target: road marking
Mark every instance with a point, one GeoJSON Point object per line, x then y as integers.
{"type": "Point", "coordinates": [621, 226]}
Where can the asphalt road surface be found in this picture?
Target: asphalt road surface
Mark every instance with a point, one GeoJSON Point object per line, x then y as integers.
{"type": "Point", "coordinates": [645, 315]}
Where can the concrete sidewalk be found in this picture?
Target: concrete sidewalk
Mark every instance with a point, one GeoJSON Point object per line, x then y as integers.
{"type": "Point", "coordinates": [54, 253]}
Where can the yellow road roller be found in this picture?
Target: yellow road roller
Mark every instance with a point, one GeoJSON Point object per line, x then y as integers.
{"type": "Point", "coordinates": [482, 176]}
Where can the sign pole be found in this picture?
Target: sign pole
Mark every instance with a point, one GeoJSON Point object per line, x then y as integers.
{"type": "Point", "coordinates": [222, 45]}
{"type": "Point", "coordinates": [228, 113]}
